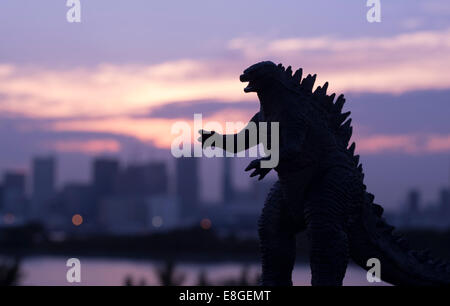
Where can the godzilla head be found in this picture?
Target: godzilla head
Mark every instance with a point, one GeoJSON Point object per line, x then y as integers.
{"type": "Point", "coordinates": [259, 76]}
{"type": "Point", "coordinates": [273, 83]}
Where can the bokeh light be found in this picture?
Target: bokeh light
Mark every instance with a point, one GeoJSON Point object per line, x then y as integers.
{"type": "Point", "coordinates": [77, 220]}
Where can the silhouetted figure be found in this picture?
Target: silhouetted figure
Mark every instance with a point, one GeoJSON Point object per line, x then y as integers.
{"type": "Point", "coordinates": [321, 189]}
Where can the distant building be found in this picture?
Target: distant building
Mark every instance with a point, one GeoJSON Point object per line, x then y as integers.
{"type": "Point", "coordinates": [105, 173]}
{"type": "Point", "coordinates": [14, 198]}
{"type": "Point", "coordinates": [123, 214]}
{"type": "Point", "coordinates": [43, 184]}
{"type": "Point", "coordinates": [76, 198]}
{"type": "Point", "coordinates": [144, 180]}
{"type": "Point", "coordinates": [410, 219]}
{"type": "Point", "coordinates": [236, 217]}
{"type": "Point", "coordinates": [444, 201]}
{"type": "Point", "coordinates": [187, 185]}
{"type": "Point", "coordinates": [434, 215]}
{"type": "Point", "coordinates": [1, 198]}
{"type": "Point", "coordinates": [232, 194]}
{"type": "Point", "coordinates": [228, 190]}
{"type": "Point", "coordinates": [164, 213]}
{"type": "Point", "coordinates": [413, 201]}
{"type": "Point", "coordinates": [136, 214]}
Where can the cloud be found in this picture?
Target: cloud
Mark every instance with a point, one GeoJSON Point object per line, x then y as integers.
{"type": "Point", "coordinates": [144, 101]}
{"type": "Point", "coordinates": [110, 90]}
{"type": "Point", "coordinates": [94, 146]}
{"type": "Point", "coordinates": [404, 143]}
{"type": "Point", "coordinates": [395, 64]}
{"type": "Point", "coordinates": [409, 61]}
{"type": "Point", "coordinates": [439, 143]}
{"type": "Point", "coordinates": [207, 108]}
{"type": "Point", "coordinates": [157, 131]}
{"type": "Point", "coordinates": [422, 39]}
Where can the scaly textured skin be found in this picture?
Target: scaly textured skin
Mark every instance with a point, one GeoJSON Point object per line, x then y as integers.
{"type": "Point", "coordinates": [321, 189]}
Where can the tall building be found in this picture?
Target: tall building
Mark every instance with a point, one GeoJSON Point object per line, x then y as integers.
{"type": "Point", "coordinates": [445, 200]}
{"type": "Point", "coordinates": [1, 198]}
{"type": "Point", "coordinates": [105, 173]}
{"type": "Point", "coordinates": [143, 179]}
{"type": "Point", "coordinates": [187, 185]}
{"type": "Point", "coordinates": [158, 178]}
{"type": "Point", "coordinates": [43, 184]}
{"type": "Point", "coordinates": [105, 176]}
{"type": "Point", "coordinates": [228, 190]}
{"type": "Point", "coordinates": [77, 198]}
{"type": "Point", "coordinates": [413, 201]}
{"type": "Point", "coordinates": [14, 198]}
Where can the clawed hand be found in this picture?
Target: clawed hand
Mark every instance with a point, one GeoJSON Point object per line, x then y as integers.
{"type": "Point", "coordinates": [204, 135]}
{"type": "Point", "coordinates": [256, 164]}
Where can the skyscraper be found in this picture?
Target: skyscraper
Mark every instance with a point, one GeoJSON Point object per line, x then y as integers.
{"type": "Point", "coordinates": [43, 184]}
{"type": "Point", "coordinates": [187, 185]}
{"type": "Point", "coordinates": [143, 179]}
{"type": "Point", "coordinates": [228, 190]}
{"type": "Point", "coordinates": [413, 201]}
{"type": "Point", "coordinates": [445, 200]}
{"type": "Point", "coordinates": [1, 198]}
{"type": "Point", "coordinates": [158, 178]}
{"type": "Point", "coordinates": [105, 175]}
{"type": "Point", "coordinates": [14, 199]}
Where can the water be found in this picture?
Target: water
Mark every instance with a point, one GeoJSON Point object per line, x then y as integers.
{"type": "Point", "coordinates": [113, 272]}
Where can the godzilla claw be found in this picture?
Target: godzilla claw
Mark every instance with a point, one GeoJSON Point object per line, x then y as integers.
{"type": "Point", "coordinates": [253, 165]}
{"type": "Point", "coordinates": [256, 164]}
{"type": "Point", "coordinates": [204, 135]}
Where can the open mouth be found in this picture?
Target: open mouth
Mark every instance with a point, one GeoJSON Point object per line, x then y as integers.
{"type": "Point", "coordinates": [250, 88]}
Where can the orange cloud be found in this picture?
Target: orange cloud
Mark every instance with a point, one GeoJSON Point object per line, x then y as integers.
{"type": "Point", "coordinates": [416, 60]}
{"type": "Point", "coordinates": [111, 90]}
{"type": "Point", "coordinates": [115, 93]}
{"type": "Point", "coordinates": [87, 147]}
{"type": "Point", "coordinates": [156, 131]}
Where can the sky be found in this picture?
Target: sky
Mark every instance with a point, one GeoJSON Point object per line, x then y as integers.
{"type": "Point", "coordinates": [116, 82]}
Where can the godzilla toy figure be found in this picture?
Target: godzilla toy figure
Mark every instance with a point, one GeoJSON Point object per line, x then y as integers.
{"type": "Point", "coordinates": [321, 189]}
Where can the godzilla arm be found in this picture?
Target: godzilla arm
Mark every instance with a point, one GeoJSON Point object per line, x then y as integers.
{"type": "Point", "coordinates": [248, 137]}
{"type": "Point", "coordinates": [287, 151]}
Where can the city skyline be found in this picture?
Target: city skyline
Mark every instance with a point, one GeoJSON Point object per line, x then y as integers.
{"type": "Point", "coordinates": [125, 198]}
{"type": "Point", "coordinates": [116, 82]}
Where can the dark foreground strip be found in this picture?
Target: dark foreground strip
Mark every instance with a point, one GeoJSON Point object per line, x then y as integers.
{"type": "Point", "coordinates": [214, 295]}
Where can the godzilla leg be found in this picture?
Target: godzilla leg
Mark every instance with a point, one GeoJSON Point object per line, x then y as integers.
{"type": "Point", "coordinates": [277, 238]}
{"type": "Point", "coordinates": [325, 219]}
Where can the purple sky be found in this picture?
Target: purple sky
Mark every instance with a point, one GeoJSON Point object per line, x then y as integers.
{"type": "Point", "coordinates": [116, 82]}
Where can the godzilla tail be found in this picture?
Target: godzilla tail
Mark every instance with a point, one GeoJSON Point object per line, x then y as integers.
{"type": "Point", "coordinates": [371, 237]}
